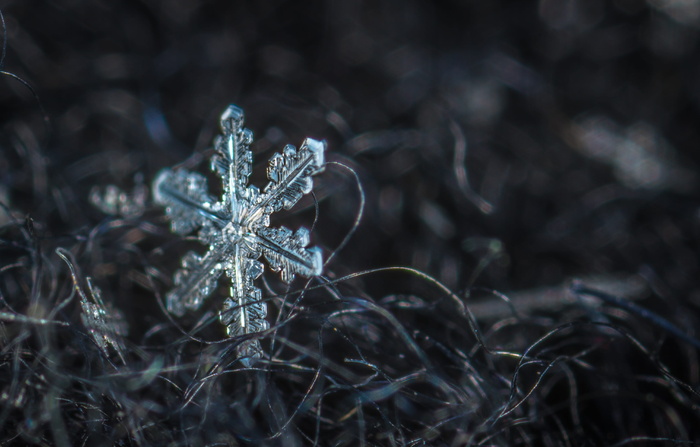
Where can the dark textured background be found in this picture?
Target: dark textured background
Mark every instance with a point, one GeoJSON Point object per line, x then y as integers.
{"type": "Point", "coordinates": [575, 122]}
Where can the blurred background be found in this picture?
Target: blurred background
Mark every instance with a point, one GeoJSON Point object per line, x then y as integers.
{"type": "Point", "coordinates": [505, 145]}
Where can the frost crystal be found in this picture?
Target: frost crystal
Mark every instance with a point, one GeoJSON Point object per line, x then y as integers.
{"type": "Point", "coordinates": [236, 228]}
{"type": "Point", "coordinates": [106, 324]}
{"type": "Point", "coordinates": [117, 202]}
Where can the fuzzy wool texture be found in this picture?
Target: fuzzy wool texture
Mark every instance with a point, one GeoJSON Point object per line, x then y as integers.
{"type": "Point", "coordinates": [509, 216]}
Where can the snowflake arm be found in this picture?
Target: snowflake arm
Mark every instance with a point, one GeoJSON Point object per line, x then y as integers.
{"type": "Point", "coordinates": [244, 311]}
{"type": "Point", "coordinates": [188, 205]}
{"type": "Point", "coordinates": [233, 162]}
{"type": "Point", "coordinates": [286, 253]}
{"type": "Point", "coordinates": [290, 178]}
{"type": "Point", "coordinates": [195, 281]}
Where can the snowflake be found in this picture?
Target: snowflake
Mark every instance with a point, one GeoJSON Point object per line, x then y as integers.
{"type": "Point", "coordinates": [105, 324]}
{"type": "Point", "coordinates": [116, 202]}
{"type": "Point", "coordinates": [236, 228]}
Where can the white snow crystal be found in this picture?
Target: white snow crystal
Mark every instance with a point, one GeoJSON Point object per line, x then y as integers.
{"type": "Point", "coordinates": [236, 227]}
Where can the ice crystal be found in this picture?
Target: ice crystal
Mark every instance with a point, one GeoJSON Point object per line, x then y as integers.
{"type": "Point", "coordinates": [105, 324]}
{"type": "Point", "coordinates": [117, 202]}
{"type": "Point", "coordinates": [237, 229]}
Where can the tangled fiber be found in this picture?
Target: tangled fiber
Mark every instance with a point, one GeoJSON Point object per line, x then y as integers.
{"type": "Point", "coordinates": [510, 217]}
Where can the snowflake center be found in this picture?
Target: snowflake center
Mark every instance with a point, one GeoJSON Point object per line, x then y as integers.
{"type": "Point", "coordinates": [234, 231]}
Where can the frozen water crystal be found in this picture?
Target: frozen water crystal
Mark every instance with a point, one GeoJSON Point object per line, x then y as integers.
{"type": "Point", "coordinates": [236, 227]}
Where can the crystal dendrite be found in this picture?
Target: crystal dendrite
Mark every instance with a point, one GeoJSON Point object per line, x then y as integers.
{"type": "Point", "coordinates": [237, 229]}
